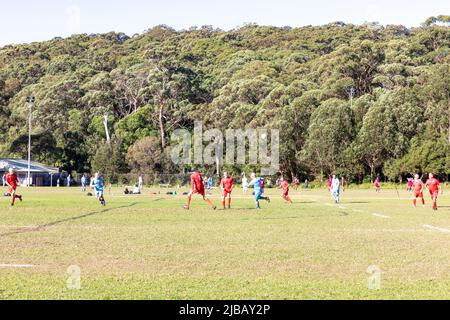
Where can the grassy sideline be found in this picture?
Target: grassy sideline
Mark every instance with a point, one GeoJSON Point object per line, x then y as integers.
{"type": "Point", "coordinates": [148, 247]}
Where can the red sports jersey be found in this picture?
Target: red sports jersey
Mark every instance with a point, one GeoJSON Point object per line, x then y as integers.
{"type": "Point", "coordinates": [433, 184]}
{"type": "Point", "coordinates": [197, 182]}
{"type": "Point", "coordinates": [412, 182]}
{"type": "Point", "coordinates": [418, 185]}
{"type": "Point", "coordinates": [285, 186]}
{"type": "Point", "coordinates": [12, 179]}
{"type": "Point", "coordinates": [227, 184]}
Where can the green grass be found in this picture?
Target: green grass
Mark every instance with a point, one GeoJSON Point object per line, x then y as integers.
{"type": "Point", "coordinates": [148, 247]}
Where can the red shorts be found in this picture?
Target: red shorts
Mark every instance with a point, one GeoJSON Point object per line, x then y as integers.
{"type": "Point", "coordinates": [12, 189]}
{"type": "Point", "coordinates": [285, 193]}
{"type": "Point", "coordinates": [199, 191]}
{"type": "Point", "coordinates": [434, 194]}
{"type": "Point", "coordinates": [418, 194]}
{"type": "Point", "coordinates": [226, 193]}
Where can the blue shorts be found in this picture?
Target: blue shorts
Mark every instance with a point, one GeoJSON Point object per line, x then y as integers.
{"type": "Point", "coordinates": [258, 196]}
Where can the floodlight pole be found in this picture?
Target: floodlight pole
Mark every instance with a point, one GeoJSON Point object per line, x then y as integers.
{"type": "Point", "coordinates": [30, 100]}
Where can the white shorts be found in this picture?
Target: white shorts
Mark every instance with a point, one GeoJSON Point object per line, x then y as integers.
{"type": "Point", "coordinates": [98, 194]}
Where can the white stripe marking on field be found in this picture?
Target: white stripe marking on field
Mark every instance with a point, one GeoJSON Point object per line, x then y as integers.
{"type": "Point", "coordinates": [16, 266]}
{"type": "Point", "coordinates": [427, 226]}
{"type": "Point", "coordinates": [379, 215]}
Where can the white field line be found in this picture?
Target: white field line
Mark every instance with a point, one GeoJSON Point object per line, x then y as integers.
{"type": "Point", "coordinates": [430, 227]}
{"type": "Point", "coordinates": [379, 215]}
{"type": "Point", "coordinates": [16, 265]}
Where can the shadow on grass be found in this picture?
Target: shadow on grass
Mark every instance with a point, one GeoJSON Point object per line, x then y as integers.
{"type": "Point", "coordinates": [356, 202]}
{"type": "Point", "coordinates": [57, 222]}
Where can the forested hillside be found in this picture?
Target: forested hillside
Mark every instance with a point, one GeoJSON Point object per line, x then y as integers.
{"type": "Point", "coordinates": [298, 80]}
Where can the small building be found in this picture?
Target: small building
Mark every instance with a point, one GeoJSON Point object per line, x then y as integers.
{"type": "Point", "coordinates": [40, 174]}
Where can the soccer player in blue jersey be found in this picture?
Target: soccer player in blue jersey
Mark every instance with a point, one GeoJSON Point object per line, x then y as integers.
{"type": "Point", "coordinates": [335, 189]}
{"type": "Point", "coordinates": [98, 186]}
{"type": "Point", "coordinates": [257, 184]}
{"type": "Point", "coordinates": [83, 183]}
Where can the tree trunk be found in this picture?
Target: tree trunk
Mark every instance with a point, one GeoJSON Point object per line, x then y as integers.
{"type": "Point", "coordinates": [161, 126]}
{"type": "Point", "coordinates": [372, 171]}
{"type": "Point", "coordinates": [105, 123]}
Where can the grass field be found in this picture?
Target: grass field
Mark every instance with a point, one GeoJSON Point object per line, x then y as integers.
{"type": "Point", "coordinates": [148, 247]}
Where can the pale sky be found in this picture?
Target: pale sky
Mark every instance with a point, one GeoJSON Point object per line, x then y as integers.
{"type": "Point", "coordinates": [27, 21]}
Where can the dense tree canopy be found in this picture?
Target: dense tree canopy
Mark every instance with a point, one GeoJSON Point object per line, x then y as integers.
{"type": "Point", "coordinates": [297, 80]}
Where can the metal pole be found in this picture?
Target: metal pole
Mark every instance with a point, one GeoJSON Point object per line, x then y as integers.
{"type": "Point", "coordinates": [30, 101]}
{"type": "Point", "coordinates": [29, 148]}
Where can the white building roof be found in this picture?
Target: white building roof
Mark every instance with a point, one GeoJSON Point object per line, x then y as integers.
{"type": "Point", "coordinates": [21, 166]}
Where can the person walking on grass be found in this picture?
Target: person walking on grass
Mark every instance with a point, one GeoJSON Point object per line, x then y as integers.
{"type": "Point", "coordinates": [12, 181]}
{"type": "Point", "coordinates": [227, 185]}
{"type": "Point", "coordinates": [417, 189]}
{"type": "Point", "coordinates": [377, 185]}
{"type": "Point", "coordinates": [296, 183]}
{"type": "Point", "coordinates": [284, 185]}
{"type": "Point", "coordinates": [83, 183]}
{"type": "Point", "coordinates": [335, 189]}
{"type": "Point", "coordinates": [433, 187]}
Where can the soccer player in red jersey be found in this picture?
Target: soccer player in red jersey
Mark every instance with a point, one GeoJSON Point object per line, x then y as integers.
{"type": "Point", "coordinates": [377, 184]}
{"type": "Point", "coordinates": [226, 184]}
{"type": "Point", "coordinates": [410, 184]}
{"type": "Point", "coordinates": [296, 183]}
{"type": "Point", "coordinates": [417, 188]}
{"type": "Point", "coordinates": [433, 186]}
{"type": "Point", "coordinates": [285, 186]}
{"type": "Point", "coordinates": [12, 182]}
{"type": "Point", "coordinates": [197, 187]}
